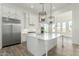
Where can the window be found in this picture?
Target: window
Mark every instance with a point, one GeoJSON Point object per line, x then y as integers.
{"type": "Point", "coordinates": [46, 28]}
{"type": "Point", "coordinates": [53, 27]}
{"type": "Point", "coordinates": [70, 26]}
{"type": "Point", "coordinates": [64, 27]}
{"type": "Point", "coordinates": [58, 27]}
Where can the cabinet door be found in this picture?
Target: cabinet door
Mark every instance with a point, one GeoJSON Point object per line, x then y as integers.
{"type": "Point", "coordinates": [5, 11]}
{"type": "Point", "coordinates": [19, 14]}
{"type": "Point", "coordinates": [12, 13]}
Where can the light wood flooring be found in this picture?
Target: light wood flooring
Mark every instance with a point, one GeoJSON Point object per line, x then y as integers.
{"type": "Point", "coordinates": [65, 48]}
{"type": "Point", "coordinates": [68, 49]}
{"type": "Point", "coordinates": [15, 50]}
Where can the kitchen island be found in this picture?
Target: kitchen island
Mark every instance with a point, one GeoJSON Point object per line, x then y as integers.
{"type": "Point", "coordinates": [40, 44]}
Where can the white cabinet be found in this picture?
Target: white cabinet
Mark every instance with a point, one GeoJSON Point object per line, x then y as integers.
{"type": "Point", "coordinates": [24, 34]}
{"type": "Point", "coordinates": [23, 37]}
{"type": "Point", "coordinates": [19, 14]}
{"type": "Point", "coordinates": [5, 11]}
{"type": "Point", "coordinates": [32, 19]}
{"type": "Point", "coordinates": [12, 13]}
{"type": "Point", "coordinates": [8, 11]}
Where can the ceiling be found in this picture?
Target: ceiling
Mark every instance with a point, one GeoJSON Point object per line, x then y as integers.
{"type": "Point", "coordinates": [37, 7]}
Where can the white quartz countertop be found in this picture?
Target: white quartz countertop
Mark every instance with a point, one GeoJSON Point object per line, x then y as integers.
{"type": "Point", "coordinates": [26, 31]}
{"type": "Point", "coordinates": [45, 36]}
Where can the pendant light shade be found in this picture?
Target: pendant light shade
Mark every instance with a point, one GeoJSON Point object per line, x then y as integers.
{"type": "Point", "coordinates": [51, 17]}
{"type": "Point", "coordinates": [42, 14]}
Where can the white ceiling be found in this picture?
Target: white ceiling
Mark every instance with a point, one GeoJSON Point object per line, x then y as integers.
{"type": "Point", "coordinates": [65, 16]}
{"type": "Point", "coordinates": [37, 7]}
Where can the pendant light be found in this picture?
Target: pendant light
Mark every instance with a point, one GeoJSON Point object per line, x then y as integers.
{"type": "Point", "coordinates": [51, 17]}
{"type": "Point", "coordinates": [42, 14]}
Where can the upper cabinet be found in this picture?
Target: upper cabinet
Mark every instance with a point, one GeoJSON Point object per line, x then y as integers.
{"type": "Point", "coordinates": [5, 11]}
{"type": "Point", "coordinates": [32, 19]}
{"type": "Point", "coordinates": [12, 12]}
{"type": "Point", "coordinates": [19, 14]}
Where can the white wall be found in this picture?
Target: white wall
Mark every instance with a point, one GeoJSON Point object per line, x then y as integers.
{"type": "Point", "coordinates": [75, 17]}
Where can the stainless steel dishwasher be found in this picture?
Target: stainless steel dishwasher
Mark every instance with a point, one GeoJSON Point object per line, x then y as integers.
{"type": "Point", "coordinates": [11, 31]}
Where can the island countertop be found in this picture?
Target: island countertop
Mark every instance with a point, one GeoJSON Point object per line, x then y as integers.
{"type": "Point", "coordinates": [45, 36]}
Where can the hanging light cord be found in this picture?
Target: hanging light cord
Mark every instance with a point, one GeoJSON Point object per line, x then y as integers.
{"type": "Point", "coordinates": [50, 9]}
{"type": "Point", "coordinates": [42, 5]}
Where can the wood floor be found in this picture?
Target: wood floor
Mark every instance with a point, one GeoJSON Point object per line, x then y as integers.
{"type": "Point", "coordinates": [16, 50]}
{"type": "Point", "coordinates": [64, 52]}
{"type": "Point", "coordinates": [21, 50]}
{"type": "Point", "coordinates": [64, 49]}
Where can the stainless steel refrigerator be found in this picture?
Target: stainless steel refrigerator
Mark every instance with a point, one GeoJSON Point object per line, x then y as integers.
{"type": "Point", "coordinates": [11, 31]}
